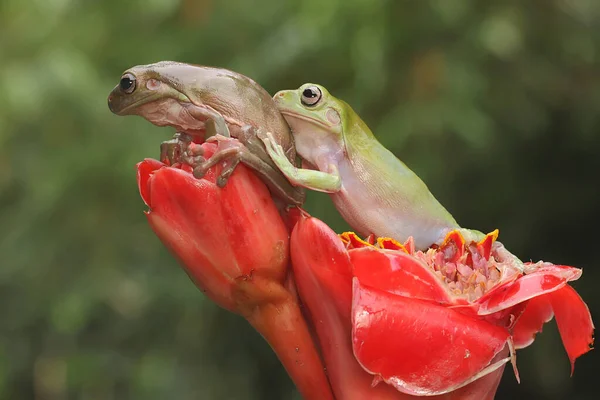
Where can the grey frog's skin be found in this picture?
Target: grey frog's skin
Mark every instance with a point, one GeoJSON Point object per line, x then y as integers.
{"type": "Point", "coordinates": [205, 102]}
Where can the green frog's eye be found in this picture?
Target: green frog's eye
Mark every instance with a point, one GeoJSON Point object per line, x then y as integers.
{"type": "Point", "coordinates": [311, 96]}
{"type": "Point", "coordinates": [127, 83]}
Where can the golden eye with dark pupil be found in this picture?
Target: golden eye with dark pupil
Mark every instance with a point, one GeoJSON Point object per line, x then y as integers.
{"type": "Point", "coordinates": [311, 96]}
{"type": "Point", "coordinates": [127, 83]}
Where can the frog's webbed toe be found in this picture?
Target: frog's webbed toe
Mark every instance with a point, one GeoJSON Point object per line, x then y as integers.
{"type": "Point", "coordinates": [195, 151]}
{"type": "Point", "coordinates": [227, 170]}
{"type": "Point", "coordinates": [175, 150]}
{"type": "Point", "coordinates": [231, 152]}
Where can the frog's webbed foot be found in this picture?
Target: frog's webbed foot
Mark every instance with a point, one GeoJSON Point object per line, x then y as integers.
{"type": "Point", "coordinates": [180, 148]}
{"type": "Point", "coordinates": [194, 155]}
{"type": "Point", "coordinates": [229, 151]}
{"type": "Point", "coordinates": [227, 170]}
{"type": "Point", "coordinates": [176, 150]}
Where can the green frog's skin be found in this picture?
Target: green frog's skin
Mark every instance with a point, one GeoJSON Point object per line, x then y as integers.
{"type": "Point", "coordinates": [375, 192]}
{"type": "Point", "coordinates": [209, 103]}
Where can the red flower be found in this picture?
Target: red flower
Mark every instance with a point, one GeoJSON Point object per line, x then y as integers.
{"type": "Point", "coordinates": [234, 245]}
{"type": "Point", "coordinates": [438, 322]}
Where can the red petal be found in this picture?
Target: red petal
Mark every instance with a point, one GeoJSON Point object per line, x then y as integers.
{"type": "Point", "coordinates": [196, 262]}
{"type": "Point", "coordinates": [537, 312]}
{"type": "Point", "coordinates": [419, 347]}
{"type": "Point", "coordinates": [145, 169]}
{"type": "Point", "coordinates": [219, 235]}
{"type": "Point", "coordinates": [398, 272]}
{"type": "Point", "coordinates": [181, 219]}
{"type": "Point", "coordinates": [574, 322]}
{"type": "Point", "coordinates": [545, 279]}
{"type": "Point", "coordinates": [255, 230]}
{"type": "Point", "coordinates": [323, 275]}
{"type": "Point", "coordinates": [319, 258]}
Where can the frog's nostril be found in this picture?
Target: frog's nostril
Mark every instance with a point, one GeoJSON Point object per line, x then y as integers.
{"type": "Point", "coordinates": [110, 105]}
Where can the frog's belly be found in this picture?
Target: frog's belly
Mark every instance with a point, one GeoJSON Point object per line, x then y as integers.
{"type": "Point", "coordinates": [369, 212]}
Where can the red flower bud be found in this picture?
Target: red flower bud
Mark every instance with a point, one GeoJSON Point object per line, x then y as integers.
{"type": "Point", "coordinates": [234, 245]}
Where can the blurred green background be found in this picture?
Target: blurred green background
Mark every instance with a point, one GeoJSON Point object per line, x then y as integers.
{"type": "Point", "coordinates": [495, 104]}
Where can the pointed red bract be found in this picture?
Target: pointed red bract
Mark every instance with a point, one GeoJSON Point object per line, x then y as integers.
{"type": "Point", "coordinates": [574, 323]}
{"type": "Point", "coordinates": [398, 272]}
{"type": "Point", "coordinates": [453, 247]}
{"type": "Point", "coordinates": [145, 169]}
{"type": "Point", "coordinates": [484, 247]}
{"type": "Point", "coordinates": [323, 276]}
{"type": "Point", "coordinates": [543, 280]}
{"type": "Point", "coordinates": [537, 312]}
{"type": "Point", "coordinates": [327, 263]}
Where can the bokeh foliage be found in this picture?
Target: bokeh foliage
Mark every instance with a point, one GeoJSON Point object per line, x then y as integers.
{"type": "Point", "coordinates": [495, 104]}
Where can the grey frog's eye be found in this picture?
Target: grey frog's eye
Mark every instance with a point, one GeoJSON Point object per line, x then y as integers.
{"type": "Point", "coordinates": [127, 83]}
{"type": "Point", "coordinates": [311, 96]}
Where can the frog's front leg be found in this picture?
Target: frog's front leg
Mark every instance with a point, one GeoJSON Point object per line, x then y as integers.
{"type": "Point", "coordinates": [328, 182]}
{"type": "Point", "coordinates": [214, 122]}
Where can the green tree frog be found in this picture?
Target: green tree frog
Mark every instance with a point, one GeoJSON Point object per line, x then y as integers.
{"type": "Point", "coordinates": [203, 102]}
{"type": "Point", "coordinates": [374, 191]}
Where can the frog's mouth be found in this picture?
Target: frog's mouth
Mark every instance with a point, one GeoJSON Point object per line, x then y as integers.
{"type": "Point", "coordinates": [150, 98]}
{"type": "Point", "coordinates": [305, 118]}
{"type": "Point", "coordinates": [139, 103]}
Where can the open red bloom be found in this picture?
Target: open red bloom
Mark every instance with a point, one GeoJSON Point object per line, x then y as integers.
{"type": "Point", "coordinates": [429, 323]}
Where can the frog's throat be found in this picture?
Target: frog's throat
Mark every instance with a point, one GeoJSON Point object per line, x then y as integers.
{"type": "Point", "coordinates": [317, 122]}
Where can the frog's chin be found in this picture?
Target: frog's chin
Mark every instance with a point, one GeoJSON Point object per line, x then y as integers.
{"type": "Point", "coordinates": [170, 112]}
